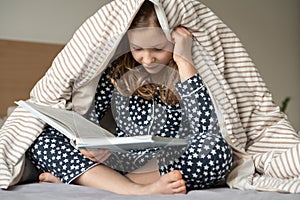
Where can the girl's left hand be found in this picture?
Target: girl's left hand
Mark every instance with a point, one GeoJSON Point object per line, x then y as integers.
{"type": "Point", "coordinates": [183, 40]}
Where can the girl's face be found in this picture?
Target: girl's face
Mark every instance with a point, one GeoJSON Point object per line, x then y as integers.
{"type": "Point", "coordinates": [150, 47]}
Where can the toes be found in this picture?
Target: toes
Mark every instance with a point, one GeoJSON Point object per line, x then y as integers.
{"type": "Point", "coordinates": [42, 177]}
{"type": "Point", "coordinates": [180, 190]}
{"type": "Point", "coordinates": [178, 174]}
{"type": "Point", "coordinates": [178, 187]}
{"type": "Point", "coordinates": [173, 176]}
{"type": "Point", "coordinates": [48, 177]}
{"type": "Point", "coordinates": [170, 183]}
{"type": "Point", "coordinates": [177, 184]}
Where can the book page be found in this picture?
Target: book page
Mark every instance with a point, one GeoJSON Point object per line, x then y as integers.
{"type": "Point", "coordinates": [88, 135]}
{"type": "Point", "coordinates": [66, 121]}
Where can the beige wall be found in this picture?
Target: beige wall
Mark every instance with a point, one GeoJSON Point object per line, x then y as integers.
{"type": "Point", "coordinates": [269, 29]}
{"type": "Point", "coordinates": [51, 21]}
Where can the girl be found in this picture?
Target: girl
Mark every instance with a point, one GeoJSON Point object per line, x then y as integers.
{"type": "Point", "coordinates": [153, 89]}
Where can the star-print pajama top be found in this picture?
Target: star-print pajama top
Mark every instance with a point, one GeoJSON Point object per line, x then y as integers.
{"type": "Point", "coordinates": [204, 162]}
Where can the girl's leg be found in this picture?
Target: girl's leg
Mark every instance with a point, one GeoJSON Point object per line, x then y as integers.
{"type": "Point", "coordinates": [103, 177]}
{"type": "Point", "coordinates": [53, 153]}
{"type": "Point", "coordinates": [204, 163]}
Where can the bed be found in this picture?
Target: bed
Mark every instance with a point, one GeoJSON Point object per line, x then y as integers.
{"type": "Point", "coordinates": [47, 191]}
{"type": "Point", "coordinates": [20, 69]}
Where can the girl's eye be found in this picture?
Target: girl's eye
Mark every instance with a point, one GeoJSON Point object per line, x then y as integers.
{"type": "Point", "coordinates": [137, 49]}
{"type": "Point", "coordinates": [140, 49]}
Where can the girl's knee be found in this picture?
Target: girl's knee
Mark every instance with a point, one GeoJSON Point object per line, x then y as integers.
{"type": "Point", "coordinates": [208, 164]}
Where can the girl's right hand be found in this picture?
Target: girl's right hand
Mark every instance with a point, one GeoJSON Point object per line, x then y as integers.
{"type": "Point", "coordinates": [99, 155]}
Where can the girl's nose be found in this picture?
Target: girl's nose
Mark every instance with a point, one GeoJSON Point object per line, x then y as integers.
{"type": "Point", "coordinates": [148, 58]}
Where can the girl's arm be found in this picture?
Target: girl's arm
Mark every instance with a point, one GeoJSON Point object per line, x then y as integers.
{"type": "Point", "coordinates": [103, 97]}
{"type": "Point", "coordinates": [198, 106]}
{"type": "Point", "coordinates": [197, 102]}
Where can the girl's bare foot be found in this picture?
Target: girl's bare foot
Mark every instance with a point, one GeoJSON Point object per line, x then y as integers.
{"type": "Point", "coordinates": [170, 183]}
{"type": "Point", "coordinates": [47, 177]}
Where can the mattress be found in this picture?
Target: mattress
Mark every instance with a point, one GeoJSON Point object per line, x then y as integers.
{"type": "Point", "coordinates": [50, 191]}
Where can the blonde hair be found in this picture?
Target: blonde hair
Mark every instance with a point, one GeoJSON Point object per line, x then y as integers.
{"type": "Point", "coordinates": [130, 78]}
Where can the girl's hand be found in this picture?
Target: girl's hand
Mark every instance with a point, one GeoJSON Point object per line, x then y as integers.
{"type": "Point", "coordinates": [183, 40]}
{"type": "Point", "coordinates": [99, 155]}
{"type": "Point", "coordinates": [182, 53]}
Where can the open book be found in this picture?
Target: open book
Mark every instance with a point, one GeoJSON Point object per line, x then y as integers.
{"type": "Point", "coordinates": [88, 135]}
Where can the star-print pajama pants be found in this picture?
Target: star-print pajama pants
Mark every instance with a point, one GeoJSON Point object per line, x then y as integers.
{"type": "Point", "coordinates": [204, 162]}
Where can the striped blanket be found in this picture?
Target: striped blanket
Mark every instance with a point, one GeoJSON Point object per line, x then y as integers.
{"type": "Point", "coordinates": [266, 147]}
